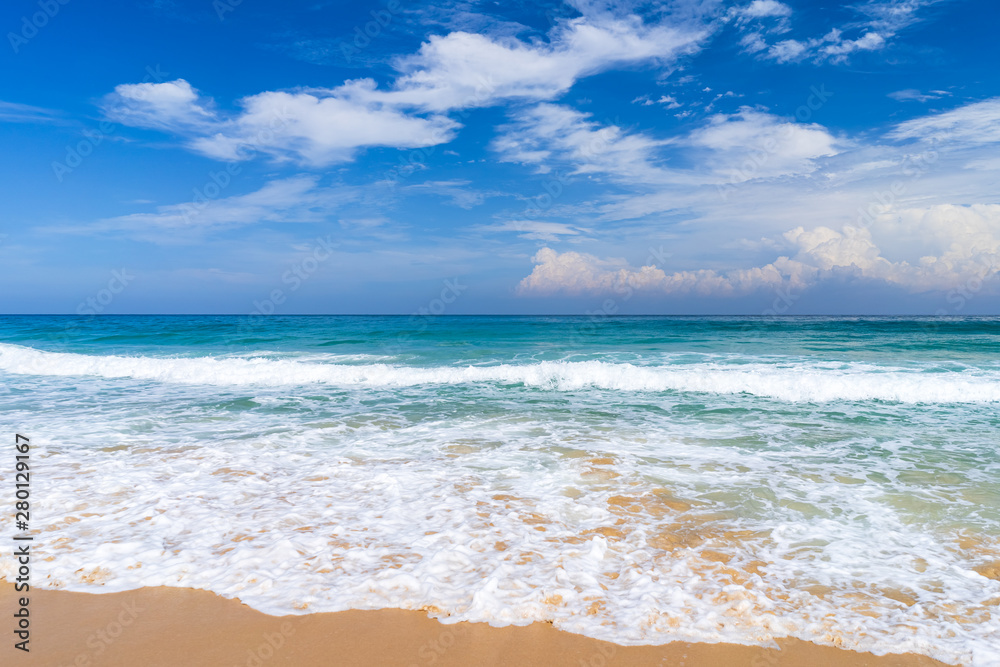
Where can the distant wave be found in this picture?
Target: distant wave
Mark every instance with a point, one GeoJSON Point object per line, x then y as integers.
{"type": "Point", "coordinates": [803, 382]}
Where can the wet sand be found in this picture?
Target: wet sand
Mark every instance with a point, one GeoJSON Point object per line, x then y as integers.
{"type": "Point", "coordinates": [179, 627]}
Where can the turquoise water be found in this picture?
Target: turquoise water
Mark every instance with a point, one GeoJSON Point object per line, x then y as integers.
{"type": "Point", "coordinates": [638, 479]}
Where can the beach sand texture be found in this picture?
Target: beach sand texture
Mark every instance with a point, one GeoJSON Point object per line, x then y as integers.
{"type": "Point", "coordinates": [161, 626]}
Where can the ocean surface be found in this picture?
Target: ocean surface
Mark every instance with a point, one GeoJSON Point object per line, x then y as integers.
{"type": "Point", "coordinates": [635, 479]}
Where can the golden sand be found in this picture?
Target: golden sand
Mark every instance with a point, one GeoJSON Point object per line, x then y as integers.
{"type": "Point", "coordinates": [153, 627]}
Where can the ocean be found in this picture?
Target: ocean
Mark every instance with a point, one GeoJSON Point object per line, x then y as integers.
{"type": "Point", "coordinates": [634, 479]}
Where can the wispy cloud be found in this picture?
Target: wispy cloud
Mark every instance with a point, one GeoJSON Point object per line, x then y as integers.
{"type": "Point", "coordinates": [456, 192]}
{"type": "Point", "coordinates": [976, 123]}
{"type": "Point", "coordinates": [294, 199]}
{"type": "Point", "coordinates": [880, 21]}
{"type": "Point", "coordinates": [548, 134]}
{"type": "Point", "coordinates": [12, 112]}
{"type": "Point", "coordinates": [914, 95]}
{"type": "Point", "coordinates": [537, 230]}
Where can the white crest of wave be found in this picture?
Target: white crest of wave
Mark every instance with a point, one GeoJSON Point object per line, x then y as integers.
{"type": "Point", "coordinates": [788, 382]}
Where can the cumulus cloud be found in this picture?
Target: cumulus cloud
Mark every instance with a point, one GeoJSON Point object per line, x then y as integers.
{"type": "Point", "coordinates": [955, 244]}
{"type": "Point", "coordinates": [450, 72]}
{"type": "Point", "coordinates": [967, 240]}
{"type": "Point", "coordinates": [316, 127]}
{"type": "Point", "coordinates": [581, 273]}
{"type": "Point", "coordinates": [977, 123]}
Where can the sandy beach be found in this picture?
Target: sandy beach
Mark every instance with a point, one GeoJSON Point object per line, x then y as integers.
{"type": "Point", "coordinates": [169, 626]}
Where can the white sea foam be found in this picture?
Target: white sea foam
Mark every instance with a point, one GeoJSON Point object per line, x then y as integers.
{"type": "Point", "coordinates": [795, 382]}
{"type": "Point", "coordinates": [491, 535]}
{"type": "Point", "coordinates": [856, 525]}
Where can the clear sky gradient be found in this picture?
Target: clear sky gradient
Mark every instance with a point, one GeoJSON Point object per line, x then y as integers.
{"type": "Point", "coordinates": [500, 157]}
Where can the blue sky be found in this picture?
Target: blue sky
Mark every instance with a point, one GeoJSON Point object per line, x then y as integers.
{"type": "Point", "coordinates": [500, 157]}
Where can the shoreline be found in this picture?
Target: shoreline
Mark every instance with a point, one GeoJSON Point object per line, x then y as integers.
{"type": "Point", "coordinates": [156, 626]}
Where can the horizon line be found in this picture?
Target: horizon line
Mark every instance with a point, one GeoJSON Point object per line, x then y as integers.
{"type": "Point", "coordinates": [442, 316]}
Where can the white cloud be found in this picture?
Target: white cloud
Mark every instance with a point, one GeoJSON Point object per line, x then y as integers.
{"type": "Point", "coordinates": [538, 231]}
{"type": "Point", "coordinates": [760, 17]}
{"type": "Point", "coordinates": [789, 176]}
{"type": "Point", "coordinates": [891, 16]}
{"type": "Point", "coordinates": [750, 172]}
{"type": "Point", "coordinates": [949, 244]}
{"type": "Point", "coordinates": [728, 149]}
{"type": "Point", "coordinates": [984, 164]}
{"type": "Point", "coordinates": [914, 95]}
{"type": "Point", "coordinates": [549, 133]}
{"type": "Point", "coordinates": [575, 273]}
{"type": "Point", "coordinates": [882, 22]}
{"type": "Point", "coordinates": [12, 112]}
{"type": "Point", "coordinates": [870, 41]}
{"type": "Point", "coordinates": [312, 127]}
{"type": "Point", "coordinates": [265, 204]}
{"type": "Point", "coordinates": [321, 129]}
{"type": "Point", "coordinates": [977, 123]}
{"type": "Point", "coordinates": [765, 8]}
{"type": "Point", "coordinates": [667, 100]}
{"type": "Point", "coordinates": [966, 239]}
{"type": "Point", "coordinates": [753, 42]}
{"type": "Point", "coordinates": [294, 199]}
{"type": "Point", "coordinates": [462, 70]}
{"type": "Point", "coordinates": [173, 105]}
{"type": "Point", "coordinates": [753, 144]}
{"type": "Point", "coordinates": [581, 273]}
{"type": "Point", "coordinates": [787, 50]}
{"type": "Point", "coordinates": [457, 191]}
{"type": "Point", "coordinates": [451, 72]}
{"type": "Point", "coordinates": [670, 101]}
